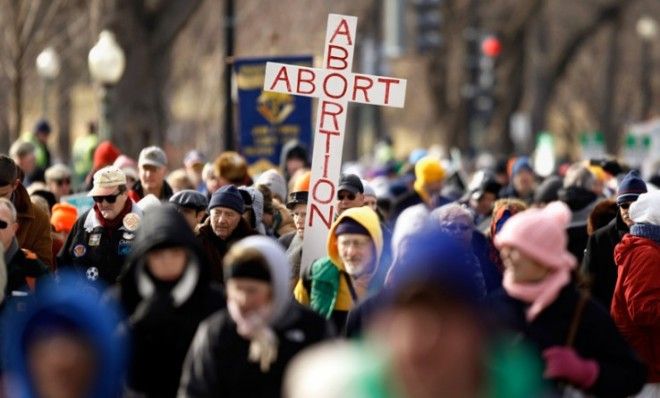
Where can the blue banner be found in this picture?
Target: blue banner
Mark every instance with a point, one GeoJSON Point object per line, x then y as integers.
{"type": "Point", "coordinates": [268, 120]}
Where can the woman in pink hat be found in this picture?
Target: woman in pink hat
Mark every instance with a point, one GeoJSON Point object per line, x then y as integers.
{"type": "Point", "coordinates": [576, 338]}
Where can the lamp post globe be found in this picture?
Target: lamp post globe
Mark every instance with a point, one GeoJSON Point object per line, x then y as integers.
{"type": "Point", "coordinates": [647, 28]}
{"type": "Point", "coordinates": [106, 59]}
{"type": "Point", "coordinates": [48, 67]}
{"type": "Point", "coordinates": [106, 65]}
{"type": "Point", "coordinates": [48, 64]}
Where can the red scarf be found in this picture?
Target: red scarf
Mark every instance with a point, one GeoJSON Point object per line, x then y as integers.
{"type": "Point", "coordinates": [117, 221]}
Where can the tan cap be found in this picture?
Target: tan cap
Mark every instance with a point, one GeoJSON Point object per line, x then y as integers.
{"type": "Point", "coordinates": [57, 172]}
{"type": "Point", "coordinates": [106, 180]}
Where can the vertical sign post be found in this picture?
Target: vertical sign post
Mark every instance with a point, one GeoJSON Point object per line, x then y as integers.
{"type": "Point", "coordinates": [335, 86]}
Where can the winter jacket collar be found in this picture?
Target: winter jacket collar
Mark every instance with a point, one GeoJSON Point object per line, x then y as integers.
{"type": "Point", "coordinates": [648, 231]}
{"type": "Point", "coordinates": [180, 293]}
{"type": "Point", "coordinates": [21, 200]}
{"type": "Point", "coordinates": [165, 192]}
{"type": "Point", "coordinates": [92, 222]}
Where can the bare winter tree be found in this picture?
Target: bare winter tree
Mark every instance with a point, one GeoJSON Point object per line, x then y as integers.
{"type": "Point", "coordinates": [146, 30]}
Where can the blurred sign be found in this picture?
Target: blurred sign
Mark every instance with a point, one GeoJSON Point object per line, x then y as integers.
{"type": "Point", "coordinates": [592, 145]}
{"type": "Point", "coordinates": [642, 146]}
{"type": "Point", "coordinates": [268, 120]}
{"type": "Point", "coordinates": [335, 86]}
{"type": "Point", "coordinates": [80, 201]}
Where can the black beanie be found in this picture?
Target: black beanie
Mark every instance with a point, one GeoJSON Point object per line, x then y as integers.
{"type": "Point", "coordinates": [350, 226]}
{"type": "Point", "coordinates": [229, 197]}
{"type": "Point", "coordinates": [252, 269]}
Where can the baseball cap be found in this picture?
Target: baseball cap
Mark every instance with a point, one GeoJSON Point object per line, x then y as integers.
{"type": "Point", "coordinates": [152, 156]}
{"type": "Point", "coordinates": [351, 183]}
{"type": "Point", "coordinates": [106, 180]}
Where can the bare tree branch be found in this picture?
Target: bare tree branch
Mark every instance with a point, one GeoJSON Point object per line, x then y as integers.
{"type": "Point", "coordinates": [173, 16]}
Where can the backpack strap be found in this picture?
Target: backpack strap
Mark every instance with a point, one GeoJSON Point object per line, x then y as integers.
{"type": "Point", "coordinates": [577, 317]}
{"type": "Point", "coordinates": [351, 288]}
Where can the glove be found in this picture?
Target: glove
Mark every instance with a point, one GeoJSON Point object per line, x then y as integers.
{"type": "Point", "coordinates": [564, 363]}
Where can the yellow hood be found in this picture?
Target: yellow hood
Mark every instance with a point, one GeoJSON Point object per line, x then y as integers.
{"type": "Point", "coordinates": [368, 219]}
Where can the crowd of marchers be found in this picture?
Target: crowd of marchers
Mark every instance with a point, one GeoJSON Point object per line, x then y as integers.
{"type": "Point", "coordinates": [440, 279]}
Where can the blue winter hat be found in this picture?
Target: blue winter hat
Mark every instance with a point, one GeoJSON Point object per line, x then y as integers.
{"type": "Point", "coordinates": [42, 126]}
{"type": "Point", "coordinates": [522, 163]}
{"type": "Point", "coordinates": [229, 197]}
{"type": "Point", "coordinates": [630, 187]}
{"type": "Point", "coordinates": [67, 306]}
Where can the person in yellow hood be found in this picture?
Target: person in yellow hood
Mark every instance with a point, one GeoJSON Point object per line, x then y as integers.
{"type": "Point", "coordinates": [339, 281]}
{"type": "Point", "coordinates": [429, 176]}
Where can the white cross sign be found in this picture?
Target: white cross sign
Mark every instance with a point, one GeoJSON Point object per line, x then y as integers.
{"type": "Point", "coordinates": [335, 86]}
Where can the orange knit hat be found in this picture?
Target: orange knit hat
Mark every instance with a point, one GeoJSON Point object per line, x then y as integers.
{"type": "Point", "coordinates": [64, 216]}
{"type": "Point", "coordinates": [302, 182]}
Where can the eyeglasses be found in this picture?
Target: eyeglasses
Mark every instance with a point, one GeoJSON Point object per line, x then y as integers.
{"type": "Point", "coordinates": [62, 181]}
{"type": "Point", "coordinates": [342, 196]}
{"type": "Point", "coordinates": [108, 198]}
{"type": "Point", "coordinates": [625, 205]}
{"type": "Point", "coordinates": [3, 224]}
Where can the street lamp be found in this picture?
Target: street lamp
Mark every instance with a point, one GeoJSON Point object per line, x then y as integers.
{"type": "Point", "coordinates": [48, 67]}
{"type": "Point", "coordinates": [106, 65]}
{"type": "Point", "coordinates": [647, 29]}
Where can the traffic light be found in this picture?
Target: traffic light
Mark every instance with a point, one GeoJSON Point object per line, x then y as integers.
{"type": "Point", "coordinates": [490, 50]}
{"type": "Point", "coordinates": [429, 25]}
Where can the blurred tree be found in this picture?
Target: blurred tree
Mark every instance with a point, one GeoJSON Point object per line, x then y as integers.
{"type": "Point", "coordinates": [146, 30]}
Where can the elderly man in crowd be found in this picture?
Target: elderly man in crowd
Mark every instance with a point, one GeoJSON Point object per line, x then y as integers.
{"type": "Point", "coordinates": [103, 236]}
{"type": "Point", "coordinates": [152, 165]}
{"type": "Point", "coordinates": [224, 227]}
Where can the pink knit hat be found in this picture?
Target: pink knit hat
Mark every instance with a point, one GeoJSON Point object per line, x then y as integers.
{"type": "Point", "coordinates": [540, 234]}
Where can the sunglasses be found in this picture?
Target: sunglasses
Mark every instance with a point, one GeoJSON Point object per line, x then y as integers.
{"type": "Point", "coordinates": [625, 205]}
{"type": "Point", "coordinates": [342, 196]}
{"type": "Point", "coordinates": [108, 198]}
{"type": "Point", "coordinates": [3, 224]}
{"type": "Point", "coordinates": [63, 181]}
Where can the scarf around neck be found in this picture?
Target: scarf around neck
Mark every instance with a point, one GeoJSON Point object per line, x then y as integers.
{"type": "Point", "coordinates": [541, 294]}
{"type": "Point", "coordinates": [648, 231]}
{"type": "Point", "coordinates": [117, 221]}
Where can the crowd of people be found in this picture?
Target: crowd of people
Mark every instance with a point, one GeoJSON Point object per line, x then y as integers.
{"type": "Point", "coordinates": [440, 279]}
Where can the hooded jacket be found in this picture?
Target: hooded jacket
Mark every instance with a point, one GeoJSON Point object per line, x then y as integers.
{"type": "Point", "coordinates": [330, 295]}
{"type": "Point", "coordinates": [218, 365]}
{"type": "Point", "coordinates": [598, 262]}
{"type": "Point", "coordinates": [163, 317]}
{"type": "Point", "coordinates": [67, 303]}
{"type": "Point", "coordinates": [636, 302]}
{"type": "Point", "coordinates": [292, 149]}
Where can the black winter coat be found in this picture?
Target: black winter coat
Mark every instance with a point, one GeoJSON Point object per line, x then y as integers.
{"type": "Point", "coordinates": [215, 248]}
{"type": "Point", "coordinates": [217, 364]}
{"type": "Point", "coordinates": [621, 372]}
{"type": "Point", "coordinates": [598, 264]}
{"type": "Point", "coordinates": [162, 326]}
